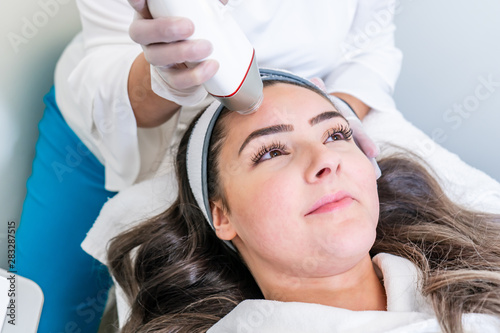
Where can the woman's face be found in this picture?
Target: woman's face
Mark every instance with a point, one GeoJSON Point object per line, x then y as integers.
{"type": "Point", "coordinates": [302, 196]}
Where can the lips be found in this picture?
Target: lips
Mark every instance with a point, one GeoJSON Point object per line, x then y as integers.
{"type": "Point", "coordinates": [331, 202]}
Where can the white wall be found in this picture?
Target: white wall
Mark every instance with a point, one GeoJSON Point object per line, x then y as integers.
{"type": "Point", "coordinates": [34, 33]}
{"type": "Point", "coordinates": [450, 49]}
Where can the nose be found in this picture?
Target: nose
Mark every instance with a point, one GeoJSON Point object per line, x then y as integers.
{"type": "Point", "coordinates": [323, 163]}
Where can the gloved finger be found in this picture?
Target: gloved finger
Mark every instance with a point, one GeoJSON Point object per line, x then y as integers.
{"type": "Point", "coordinates": [186, 78]}
{"type": "Point", "coordinates": [160, 30]}
{"type": "Point", "coordinates": [378, 172]}
{"type": "Point", "coordinates": [319, 83]}
{"type": "Point", "coordinates": [141, 7]}
{"type": "Point", "coordinates": [367, 145]}
{"type": "Point", "coordinates": [186, 51]}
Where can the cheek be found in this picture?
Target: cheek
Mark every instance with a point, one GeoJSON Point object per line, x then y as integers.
{"type": "Point", "coordinates": [353, 234]}
{"type": "Point", "coordinates": [364, 172]}
{"type": "Point", "coordinates": [261, 205]}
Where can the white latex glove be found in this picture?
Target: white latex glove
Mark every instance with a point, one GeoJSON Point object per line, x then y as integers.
{"type": "Point", "coordinates": [167, 50]}
{"type": "Point", "coordinates": [366, 144]}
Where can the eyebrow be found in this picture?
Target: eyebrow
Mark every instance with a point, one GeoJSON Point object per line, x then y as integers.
{"type": "Point", "coordinates": [288, 128]}
{"type": "Point", "coordinates": [265, 131]}
{"type": "Point", "coordinates": [325, 116]}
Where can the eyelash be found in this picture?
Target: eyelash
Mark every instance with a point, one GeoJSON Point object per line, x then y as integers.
{"type": "Point", "coordinates": [345, 131]}
{"type": "Point", "coordinates": [340, 129]}
{"type": "Point", "coordinates": [266, 149]}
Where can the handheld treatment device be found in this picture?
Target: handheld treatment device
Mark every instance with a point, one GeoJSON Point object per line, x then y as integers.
{"type": "Point", "coordinates": [237, 83]}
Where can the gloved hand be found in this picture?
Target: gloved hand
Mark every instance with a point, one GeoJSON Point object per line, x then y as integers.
{"type": "Point", "coordinates": [367, 145]}
{"type": "Point", "coordinates": [167, 50]}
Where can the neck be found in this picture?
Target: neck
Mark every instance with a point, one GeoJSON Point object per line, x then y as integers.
{"type": "Point", "coordinates": [358, 289]}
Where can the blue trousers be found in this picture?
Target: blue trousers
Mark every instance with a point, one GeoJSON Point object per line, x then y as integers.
{"type": "Point", "coordinates": [64, 196]}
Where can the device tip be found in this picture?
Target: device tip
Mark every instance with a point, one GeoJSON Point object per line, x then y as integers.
{"type": "Point", "coordinates": [252, 108]}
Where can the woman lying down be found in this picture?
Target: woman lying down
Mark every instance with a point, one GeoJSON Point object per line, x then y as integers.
{"type": "Point", "coordinates": [282, 226]}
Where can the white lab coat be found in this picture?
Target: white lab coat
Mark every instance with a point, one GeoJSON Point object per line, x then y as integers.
{"type": "Point", "coordinates": [347, 43]}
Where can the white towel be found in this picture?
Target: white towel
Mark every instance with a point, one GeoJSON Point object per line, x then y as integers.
{"type": "Point", "coordinates": [461, 182]}
{"type": "Point", "coordinates": [407, 311]}
{"type": "Point", "coordinates": [128, 208]}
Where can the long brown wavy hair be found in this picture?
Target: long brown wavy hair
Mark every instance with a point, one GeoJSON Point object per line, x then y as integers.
{"type": "Point", "coordinates": [179, 277]}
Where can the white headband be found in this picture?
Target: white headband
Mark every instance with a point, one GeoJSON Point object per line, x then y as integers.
{"type": "Point", "coordinates": [196, 159]}
{"type": "Point", "coordinates": [199, 141]}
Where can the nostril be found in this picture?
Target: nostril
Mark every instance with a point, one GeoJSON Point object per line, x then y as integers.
{"type": "Point", "coordinates": [323, 172]}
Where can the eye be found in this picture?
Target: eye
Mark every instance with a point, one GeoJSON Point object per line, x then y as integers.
{"type": "Point", "coordinates": [339, 133]}
{"type": "Point", "coordinates": [269, 152]}
{"type": "Point", "coordinates": [335, 137]}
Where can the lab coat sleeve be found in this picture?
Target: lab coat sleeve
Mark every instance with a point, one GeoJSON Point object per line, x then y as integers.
{"type": "Point", "coordinates": [98, 86]}
{"type": "Point", "coordinates": [370, 61]}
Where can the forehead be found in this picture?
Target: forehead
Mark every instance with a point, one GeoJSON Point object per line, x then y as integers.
{"type": "Point", "coordinates": [283, 104]}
